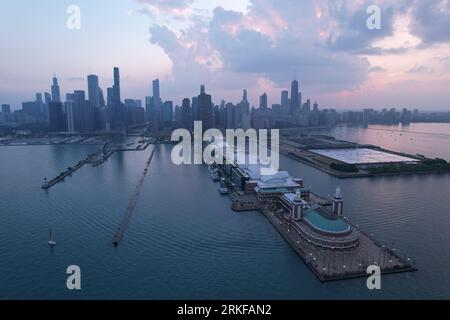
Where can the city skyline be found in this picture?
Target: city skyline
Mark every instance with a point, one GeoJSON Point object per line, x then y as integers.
{"type": "Point", "coordinates": [338, 61]}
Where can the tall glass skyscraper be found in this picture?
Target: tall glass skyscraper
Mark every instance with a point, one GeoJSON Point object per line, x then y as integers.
{"type": "Point", "coordinates": [156, 95]}
{"type": "Point", "coordinates": [93, 90]}
{"type": "Point", "coordinates": [116, 87]}
{"type": "Point", "coordinates": [56, 94]}
{"type": "Point", "coordinates": [295, 99]}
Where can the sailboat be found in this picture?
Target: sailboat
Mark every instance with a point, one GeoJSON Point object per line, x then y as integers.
{"type": "Point", "coordinates": [51, 242]}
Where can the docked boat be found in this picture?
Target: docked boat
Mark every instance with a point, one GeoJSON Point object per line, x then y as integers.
{"type": "Point", "coordinates": [214, 175]}
{"type": "Point", "coordinates": [223, 189]}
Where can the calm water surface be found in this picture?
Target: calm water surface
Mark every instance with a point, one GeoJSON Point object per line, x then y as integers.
{"type": "Point", "coordinates": [183, 240]}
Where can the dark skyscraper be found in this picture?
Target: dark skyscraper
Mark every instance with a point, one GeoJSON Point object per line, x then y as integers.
{"type": "Point", "coordinates": [56, 94]}
{"type": "Point", "coordinates": [295, 98]}
{"type": "Point", "coordinates": [285, 99]}
{"type": "Point", "coordinates": [195, 110]}
{"type": "Point", "coordinates": [186, 114]}
{"type": "Point", "coordinates": [6, 108]}
{"type": "Point", "coordinates": [116, 87]}
{"type": "Point", "coordinates": [263, 101]}
{"type": "Point", "coordinates": [56, 117]}
{"type": "Point", "coordinates": [167, 114]}
{"type": "Point", "coordinates": [47, 98]}
{"type": "Point", "coordinates": [205, 109]}
{"type": "Point", "coordinates": [156, 96]}
{"type": "Point", "coordinates": [109, 96]}
{"type": "Point", "coordinates": [93, 90]}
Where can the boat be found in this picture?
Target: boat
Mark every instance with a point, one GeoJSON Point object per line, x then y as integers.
{"type": "Point", "coordinates": [51, 241]}
{"type": "Point", "coordinates": [223, 189]}
{"type": "Point", "coordinates": [214, 175]}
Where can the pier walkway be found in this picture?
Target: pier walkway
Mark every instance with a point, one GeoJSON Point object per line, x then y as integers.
{"type": "Point", "coordinates": [331, 265]}
{"type": "Point", "coordinates": [126, 219]}
{"type": "Point", "coordinates": [69, 171]}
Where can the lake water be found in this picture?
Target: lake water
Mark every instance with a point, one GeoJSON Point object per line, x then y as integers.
{"type": "Point", "coordinates": [184, 241]}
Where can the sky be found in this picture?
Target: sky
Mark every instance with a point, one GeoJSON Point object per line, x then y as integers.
{"type": "Point", "coordinates": [260, 45]}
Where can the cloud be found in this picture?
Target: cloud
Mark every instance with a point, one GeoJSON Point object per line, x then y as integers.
{"type": "Point", "coordinates": [325, 42]}
{"type": "Point", "coordinates": [431, 21]}
{"type": "Point", "coordinates": [251, 45]}
{"type": "Point", "coordinates": [350, 32]}
{"type": "Point", "coordinates": [420, 69]}
{"type": "Point", "coordinates": [377, 69]}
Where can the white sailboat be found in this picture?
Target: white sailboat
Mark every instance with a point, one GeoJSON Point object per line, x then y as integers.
{"type": "Point", "coordinates": [51, 241]}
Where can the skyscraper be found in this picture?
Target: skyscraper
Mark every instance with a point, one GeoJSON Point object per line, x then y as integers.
{"type": "Point", "coordinates": [285, 99]}
{"type": "Point", "coordinates": [263, 101]}
{"type": "Point", "coordinates": [186, 114]}
{"type": "Point", "coordinates": [93, 90]}
{"type": "Point", "coordinates": [47, 98]}
{"type": "Point", "coordinates": [295, 99]}
{"type": "Point", "coordinates": [116, 87]}
{"type": "Point", "coordinates": [109, 96]}
{"type": "Point", "coordinates": [156, 95]}
{"type": "Point", "coordinates": [195, 110]}
{"type": "Point", "coordinates": [244, 103]}
{"type": "Point", "coordinates": [56, 116]}
{"type": "Point", "coordinates": [56, 94]}
{"type": "Point", "coordinates": [167, 114]}
{"type": "Point", "coordinates": [205, 109]}
{"type": "Point", "coordinates": [6, 108]}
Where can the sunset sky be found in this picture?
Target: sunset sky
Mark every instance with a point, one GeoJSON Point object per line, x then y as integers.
{"type": "Point", "coordinates": [230, 45]}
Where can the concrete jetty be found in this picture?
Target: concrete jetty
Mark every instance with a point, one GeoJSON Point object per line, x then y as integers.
{"type": "Point", "coordinates": [69, 171]}
{"type": "Point", "coordinates": [126, 219]}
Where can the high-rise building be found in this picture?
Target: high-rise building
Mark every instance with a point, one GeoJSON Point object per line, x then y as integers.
{"type": "Point", "coordinates": [156, 95]}
{"type": "Point", "coordinates": [47, 98]}
{"type": "Point", "coordinates": [285, 99]}
{"type": "Point", "coordinates": [6, 108]}
{"type": "Point", "coordinates": [69, 107]}
{"type": "Point", "coordinates": [57, 117]}
{"type": "Point", "coordinates": [186, 114]}
{"type": "Point", "coordinates": [195, 110]}
{"type": "Point", "coordinates": [56, 94]}
{"type": "Point", "coordinates": [31, 108]}
{"type": "Point", "coordinates": [101, 97]}
{"type": "Point", "coordinates": [244, 103]}
{"type": "Point", "coordinates": [109, 96]}
{"type": "Point", "coordinates": [306, 106]}
{"type": "Point", "coordinates": [263, 101]}
{"type": "Point", "coordinates": [116, 87]}
{"type": "Point", "coordinates": [205, 109]}
{"type": "Point", "coordinates": [230, 116]}
{"type": "Point", "coordinates": [295, 98]}
{"type": "Point", "coordinates": [167, 114]}
{"type": "Point", "coordinates": [93, 90]}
